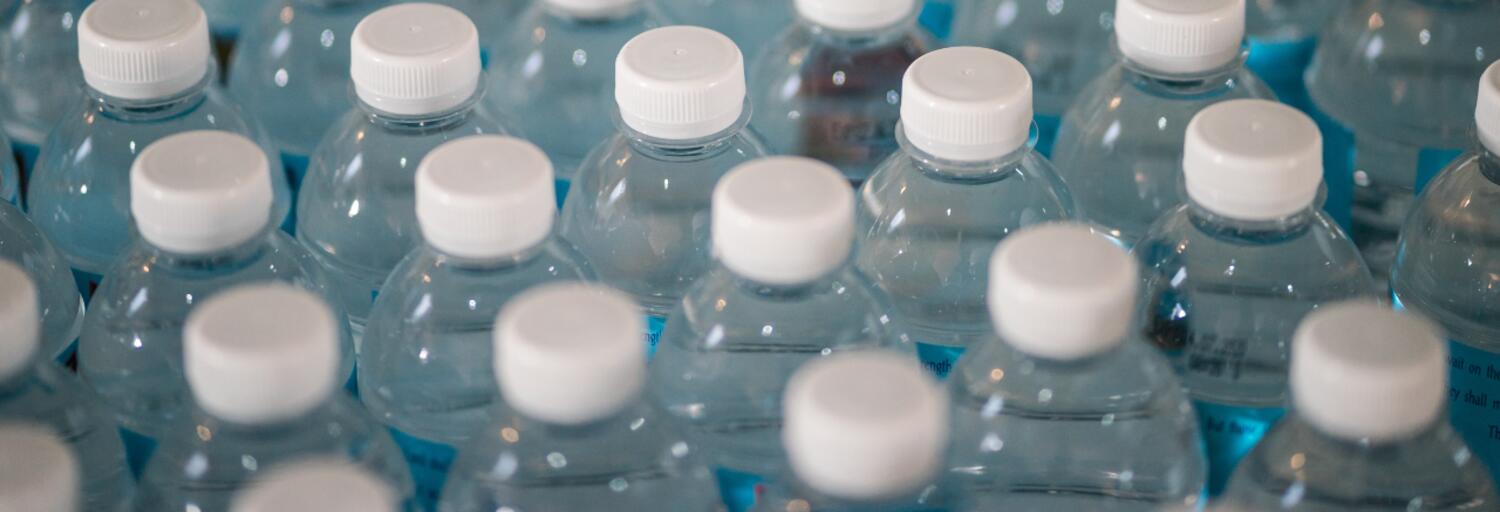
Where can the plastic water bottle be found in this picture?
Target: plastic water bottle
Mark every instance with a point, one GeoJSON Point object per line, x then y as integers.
{"type": "Point", "coordinates": [39, 472]}
{"type": "Point", "coordinates": [38, 70]}
{"type": "Point", "coordinates": [864, 431]}
{"type": "Point", "coordinates": [640, 207]}
{"type": "Point", "coordinates": [784, 291]}
{"type": "Point", "coordinates": [1069, 408]}
{"type": "Point", "coordinates": [201, 204]}
{"type": "Point", "coordinates": [1120, 144]}
{"type": "Point", "coordinates": [1366, 431]}
{"type": "Point", "coordinates": [61, 308]}
{"type": "Point", "coordinates": [750, 23]}
{"type": "Point", "coordinates": [10, 176]}
{"type": "Point", "coordinates": [829, 87]}
{"type": "Point", "coordinates": [559, 85]}
{"type": "Point", "coordinates": [1061, 43]}
{"type": "Point", "coordinates": [1282, 36]}
{"type": "Point", "coordinates": [1392, 85]}
{"type": "Point", "coordinates": [1230, 273]}
{"type": "Point", "coordinates": [485, 205]}
{"type": "Point", "coordinates": [1447, 265]}
{"type": "Point", "coordinates": [262, 363]}
{"type": "Point", "coordinates": [35, 390]}
{"type": "Point", "coordinates": [965, 178]}
{"type": "Point", "coordinates": [149, 75]}
{"type": "Point", "coordinates": [291, 70]}
{"type": "Point", "coordinates": [575, 432]}
{"type": "Point", "coordinates": [318, 485]}
{"type": "Point", "coordinates": [416, 75]}
{"type": "Point", "coordinates": [226, 17]}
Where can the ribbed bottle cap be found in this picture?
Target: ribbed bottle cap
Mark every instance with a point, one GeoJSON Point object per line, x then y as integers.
{"type": "Point", "coordinates": [680, 82]}
{"type": "Point", "coordinates": [485, 196]}
{"type": "Point", "coordinates": [1060, 291]}
{"type": "Point", "coordinates": [570, 353]}
{"type": "Point", "coordinates": [201, 191]}
{"type": "Point", "coordinates": [783, 220]}
{"type": "Point", "coordinates": [591, 8]}
{"type": "Point", "coordinates": [864, 425]}
{"type": "Point", "coordinates": [966, 104]}
{"type": "Point", "coordinates": [1253, 160]}
{"type": "Point", "coordinates": [143, 49]}
{"type": "Point", "coordinates": [1487, 113]}
{"type": "Point", "coordinates": [38, 472]}
{"type": "Point", "coordinates": [20, 320]}
{"type": "Point", "coordinates": [261, 353]}
{"type": "Point", "coordinates": [1361, 370]}
{"type": "Point", "coordinates": [317, 485]}
{"type": "Point", "coordinates": [856, 15]}
{"type": "Point", "coordinates": [1180, 36]}
{"type": "Point", "coordinates": [415, 59]}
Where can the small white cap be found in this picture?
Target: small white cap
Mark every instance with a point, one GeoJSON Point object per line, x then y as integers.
{"type": "Point", "coordinates": [1487, 111]}
{"type": "Point", "coordinates": [966, 104]}
{"type": "Point", "coordinates": [783, 220]}
{"type": "Point", "coordinates": [864, 425]}
{"type": "Point", "coordinates": [485, 196]}
{"type": "Point", "coordinates": [856, 15]}
{"type": "Point", "coordinates": [591, 8]}
{"type": "Point", "coordinates": [201, 191]}
{"type": "Point", "coordinates": [143, 49]}
{"type": "Point", "coordinates": [317, 485]}
{"type": "Point", "coordinates": [1060, 291]}
{"type": "Point", "coordinates": [570, 353]}
{"type": "Point", "coordinates": [1180, 36]}
{"type": "Point", "coordinates": [20, 320]}
{"type": "Point", "coordinates": [261, 353]}
{"type": "Point", "coordinates": [415, 59]}
{"type": "Point", "coordinates": [680, 82]}
{"type": "Point", "coordinates": [38, 472]}
{"type": "Point", "coordinates": [1252, 160]}
{"type": "Point", "coordinates": [1361, 370]}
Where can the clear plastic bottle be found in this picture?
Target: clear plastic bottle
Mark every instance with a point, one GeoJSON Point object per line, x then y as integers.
{"type": "Point", "coordinates": [10, 176]}
{"type": "Point", "coordinates": [1120, 144]}
{"type": "Point", "coordinates": [640, 205]}
{"type": "Point", "coordinates": [1068, 408]}
{"type": "Point", "coordinates": [1366, 431]}
{"type": "Point", "coordinates": [559, 84]}
{"type": "Point", "coordinates": [318, 485]}
{"type": "Point", "coordinates": [574, 431]}
{"type": "Point", "coordinates": [752, 24]}
{"type": "Point", "coordinates": [1447, 268]}
{"type": "Point", "coordinates": [262, 362]}
{"type": "Point", "coordinates": [932, 213]}
{"type": "Point", "coordinates": [864, 432]}
{"type": "Point", "coordinates": [1231, 273]}
{"type": "Point", "coordinates": [38, 70]}
{"type": "Point", "coordinates": [201, 205]}
{"type": "Point", "coordinates": [1392, 87]}
{"type": "Point", "coordinates": [226, 18]}
{"type": "Point", "coordinates": [784, 291]}
{"type": "Point", "coordinates": [1061, 44]}
{"type": "Point", "coordinates": [149, 75]}
{"type": "Point", "coordinates": [829, 86]}
{"type": "Point", "coordinates": [1282, 36]}
{"type": "Point", "coordinates": [35, 390]}
{"type": "Point", "coordinates": [62, 308]}
{"type": "Point", "coordinates": [486, 208]}
{"type": "Point", "coordinates": [356, 208]}
{"type": "Point", "coordinates": [39, 471]}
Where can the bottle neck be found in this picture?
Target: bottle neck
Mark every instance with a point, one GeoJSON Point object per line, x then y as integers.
{"type": "Point", "coordinates": [974, 171]}
{"type": "Point", "coordinates": [683, 150]}
{"type": "Point", "coordinates": [783, 292]}
{"type": "Point", "coordinates": [472, 265]}
{"type": "Point", "coordinates": [421, 122]}
{"type": "Point", "coordinates": [608, 16]}
{"type": "Point", "coordinates": [236, 256]}
{"type": "Point", "coordinates": [1250, 231]}
{"type": "Point", "coordinates": [152, 109]}
{"type": "Point", "coordinates": [1180, 84]}
{"type": "Point", "coordinates": [860, 38]}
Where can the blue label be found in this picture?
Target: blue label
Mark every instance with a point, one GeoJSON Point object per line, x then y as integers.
{"type": "Point", "coordinates": [1431, 162]}
{"type": "Point", "coordinates": [1338, 167]}
{"type": "Point", "coordinates": [654, 326]}
{"type": "Point", "coordinates": [138, 450]}
{"type": "Point", "coordinates": [1474, 399]}
{"type": "Point", "coordinates": [1229, 433]}
{"type": "Point", "coordinates": [429, 463]}
{"type": "Point", "coordinates": [1281, 63]}
{"type": "Point", "coordinates": [562, 187]}
{"type": "Point", "coordinates": [738, 489]}
{"type": "Point", "coordinates": [87, 282]}
{"type": "Point", "coordinates": [1046, 133]}
{"type": "Point", "coordinates": [939, 360]}
{"type": "Point", "coordinates": [937, 16]}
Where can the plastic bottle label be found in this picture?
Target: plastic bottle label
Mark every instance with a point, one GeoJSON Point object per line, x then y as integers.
{"type": "Point", "coordinates": [939, 360]}
{"type": "Point", "coordinates": [429, 464]}
{"type": "Point", "coordinates": [1229, 432]}
{"type": "Point", "coordinates": [1474, 399]}
{"type": "Point", "coordinates": [738, 489]}
{"type": "Point", "coordinates": [654, 326]}
{"type": "Point", "coordinates": [138, 450]}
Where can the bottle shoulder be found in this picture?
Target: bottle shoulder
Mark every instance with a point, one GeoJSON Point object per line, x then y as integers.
{"type": "Point", "coordinates": [91, 132]}
{"type": "Point", "coordinates": [542, 44]}
{"type": "Point", "coordinates": [336, 426]}
{"type": "Point", "coordinates": [908, 193]}
{"type": "Point", "coordinates": [1314, 251]}
{"type": "Point", "coordinates": [803, 55]}
{"type": "Point", "coordinates": [842, 310]}
{"type": "Point", "coordinates": [359, 140]}
{"type": "Point", "coordinates": [621, 172]}
{"type": "Point", "coordinates": [430, 281]}
{"type": "Point", "coordinates": [146, 278]}
{"type": "Point", "coordinates": [640, 435]}
{"type": "Point", "coordinates": [1448, 259]}
{"type": "Point", "coordinates": [1135, 105]}
{"type": "Point", "coordinates": [1132, 378]}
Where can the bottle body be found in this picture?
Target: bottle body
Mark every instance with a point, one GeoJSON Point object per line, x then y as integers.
{"type": "Point", "coordinates": [38, 70]}
{"type": "Point", "coordinates": [61, 307]}
{"type": "Point", "coordinates": [50, 397]}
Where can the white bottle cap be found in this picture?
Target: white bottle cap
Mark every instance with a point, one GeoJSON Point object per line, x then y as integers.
{"type": "Point", "coordinates": [38, 472]}
{"type": "Point", "coordinates": [864, 425]}
{"type": "Point", "coordinates": [1252, 160]}
{"type": "Point", "coordinates": [201, 191]}
{"type": "Point", "coordinates": [20, 320]}
{"type": "Point", "coordinates": [415, 59]}
{"type": "Point", "coordinates": [966, 104]}
{"type": "Point", "coordinates": [591, 8]}
{"type": "Point", "coordinates": [783, 220]}
{"type": "Point", "coordinates": [680, 83]}
{"type": "Point", "coordinates": [261, 353]}
{"type": "Point", "coordinates": [1487, 113]}
{"type": "Point", "coordinates": [1060, 291]}
{"type": "Point", "coordinates": [485, 196]}
{"type": "Point", "coordinates": [1361, 370]}
{"type": "Point", "coordinates": [143, 49]}
{"type": "Point", "coordinates": [570, 353]}
{"type": "Point", "coordinates": [856, 15]}
{"type": "Point", "coordinates": [1180, 36]}
{"type": "Point", "coordinates": [317, 485]}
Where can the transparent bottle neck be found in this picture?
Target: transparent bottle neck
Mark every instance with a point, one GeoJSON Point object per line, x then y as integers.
{"type": "Point", "coordinates": [616, 15]}
{"type": "Point", "coordinates": [1250, 231]}
{"type": "Point", "coordinates": [1489, 164]}
{"type": "Point", "coordinates": [421, 122]}
{"type": "Point", "coordinates": [1180, 84]}
{"type": "Point", "coordinates": [501, 263]}
{"type": "Point", "coordinates": [679, 150]}
{"type": "Point", "coordinates": [236, 256]}
{"type": "Point", "coordinates": [152, 109]}
{"type": "Point", "coordinates": [860, 38]}
{"type": "Point", "coordinates": [784, 292]}
{"type": "Point", "coordinates": [972, 171]}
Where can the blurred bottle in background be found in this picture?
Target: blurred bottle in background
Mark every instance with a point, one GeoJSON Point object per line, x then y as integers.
{"type": "Point", "coordinates": [225, 19]}
{"type": "Point", "coordinates": [39, 471]}
{"type": "Point", "coordinates": [39, 73]}
{"type": "Point", "coordinates": [318, 485]}
{"type": "Point", "coordinates": [61, 307]}
{"type": "Point", "coordinates": [10, 174]}
{"type": "Point", "coordinates": [750, 23]}
{"type": "Point", "coordinates": [1282, 36]}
